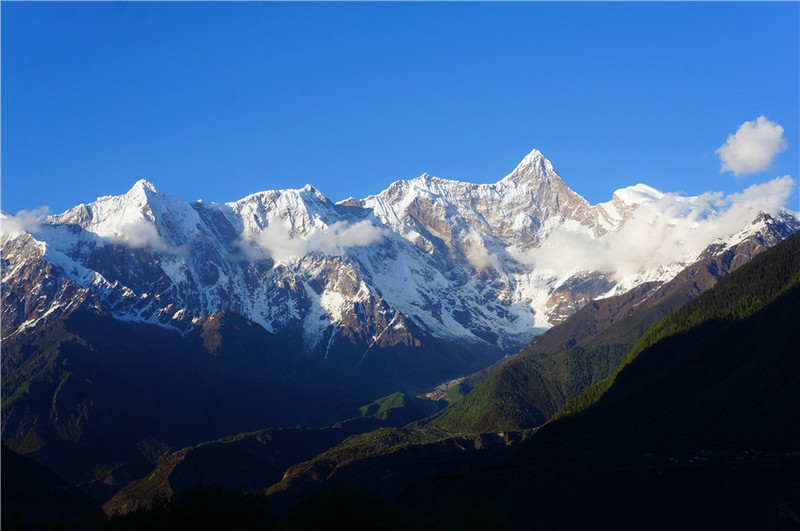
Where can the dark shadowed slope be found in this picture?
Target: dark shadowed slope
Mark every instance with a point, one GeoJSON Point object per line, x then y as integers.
{"type": "Point", "coordinates": [36, 494]}
{"type": "Point", "coordinates": [99, 400]}
{"type": "Point", "coordinates": [256, 460]}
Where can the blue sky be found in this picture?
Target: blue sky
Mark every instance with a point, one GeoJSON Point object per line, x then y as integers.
{"type": "Point", "coordinates": [220, 100]}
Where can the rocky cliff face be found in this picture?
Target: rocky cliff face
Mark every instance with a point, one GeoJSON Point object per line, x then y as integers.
{"type": "Point", "coordinates": [425, 261]}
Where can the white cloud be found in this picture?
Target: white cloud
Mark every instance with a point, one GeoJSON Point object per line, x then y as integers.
{"type": "Point", "coordinates": [340, 235]}
{"type": "Point", "coordinates": [478, 255]}
{"type": "Point", "coordinates": [276, 242]}
{"type": "Point", "coordinates": [142, 234]}
{"type": "Point", "coordinates": [22, 221]}
{"type": "Point", "coordinates": [752, 148]}
{"type": "Point", "coordinates": [661, 232]}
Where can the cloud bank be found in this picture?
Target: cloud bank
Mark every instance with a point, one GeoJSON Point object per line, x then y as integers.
{"type": "Point", "coordinates": [661, 232]}
{"type": "Point", "coordinates": [752, 148]}
{"type": "Point", "coordinates": [276, 242]}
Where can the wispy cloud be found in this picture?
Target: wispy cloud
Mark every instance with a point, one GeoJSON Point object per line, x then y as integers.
{"type": "Point", "coordinates": [752, 148]}
{"type": "Point", "coordinates": [661, 231]}
{"type": "Point", "coordinates": [22, 221]}
{"type": "Point", "coordinates": [478, 255]}
{"type": "Point", "coordinates": [143, 234]}
{"type": "Point", "coordinates": [276, 242]}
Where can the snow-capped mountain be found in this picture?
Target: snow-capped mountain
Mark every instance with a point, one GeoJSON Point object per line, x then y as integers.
{"type": "Point", "coordinates": [483, 266]}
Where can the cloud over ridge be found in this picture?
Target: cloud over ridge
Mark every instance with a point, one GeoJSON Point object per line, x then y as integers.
{"type": "Point", "coordinates": [661, 232]}
{"type": "Point", "coordinates": [276, 242]}
{"type": "Point", "coordinates": [143, 234]}
{"type": "Point", "coordinates": [23, 221]}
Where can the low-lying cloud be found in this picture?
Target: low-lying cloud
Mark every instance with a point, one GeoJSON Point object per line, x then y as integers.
{"type": "Point", "coordinates": [276, 242]}
{"type": "Point", "coordinates": [22, 221]}
{"type": "Point", "coordinates": [752, 148]}
{"type": "Point", "coordinates": [143, 234]}
{"type": "Point", "coordinates": [478, 255]}
{"type": "Point", "coordinates": [661, 232]}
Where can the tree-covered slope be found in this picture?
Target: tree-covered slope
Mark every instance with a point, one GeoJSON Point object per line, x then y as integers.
{"type": "Point", "coordinates": [251, 461]}
{"type": "Point", "coordinates": [256, 460]}
{"type": "Point", "coordinates": [722, 371]}
{"type": "Point", "coordinates": [557, 366]}
{"type": "Point", "coordinates": [387, 460]}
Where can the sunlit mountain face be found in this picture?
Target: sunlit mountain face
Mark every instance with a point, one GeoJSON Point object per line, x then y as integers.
{"type": "Point", "coordinates": [485, 267]}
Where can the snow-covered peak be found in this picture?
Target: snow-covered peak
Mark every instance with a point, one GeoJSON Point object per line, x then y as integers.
{"type": "Point", "coordinates": [306, 194]}
{"type": "Point", "coordinates": [535, 178]}
{"type": "Point", "coordinates": [138, 196]}
{"type": "Point", "coordinates": [429, 211]}
{"type": "Point", "coordinates": [638, 194]}
{"type": "Point", "coordinates": [143, 185]}
{"type": "Point", "coordinates": [612, 214]}
{"type": "Point", "coordinates": [533, 167]}
{"type": "Point", "coordinates": [783, 224]}
{"type": "Point", "coordinates": [533, 181]}
{"type": "Point", "coordinates": [533, 159]}
{"type": "Point", "coordinates": [299, 210]}
{"type": "Point", "coordinates": [142, 199]}
{"type": "Point", "coordinates": [142, 217]}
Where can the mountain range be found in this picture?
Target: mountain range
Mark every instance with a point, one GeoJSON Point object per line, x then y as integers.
{"type": "Point", "coordinates": [145, 336]}
{"type": "Point", "coordinates": [379, 283]}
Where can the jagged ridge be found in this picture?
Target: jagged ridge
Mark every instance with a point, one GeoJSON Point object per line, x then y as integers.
{"type": "Point", "coordinates": [425, 261]}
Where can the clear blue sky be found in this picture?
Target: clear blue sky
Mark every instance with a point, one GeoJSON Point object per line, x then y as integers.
{"type": "Point", "coordinates": [220, 100]}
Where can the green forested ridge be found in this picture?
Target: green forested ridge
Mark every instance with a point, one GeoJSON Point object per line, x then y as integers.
{"type": "Point", "coordinates": [569, 358]}
{"type": "Point", "coordinates": [515, 397]}
{"type": "Point", "coordinates": [387, 460]}
{"type": "Point", "coordinates": [734, 298]}
{"type": "Point", "coordinates": [248, 460]}
{"type": "Point", "coordinates": [722, 372]}
{"type": "Point", "coordinates": [398, 408]}
{"type": "Point", "coordinates": [374, 443]}
{"type": "Point", "coordinates": [570, 363]}
{"type": "Point", "coordinates": [257, 459]}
